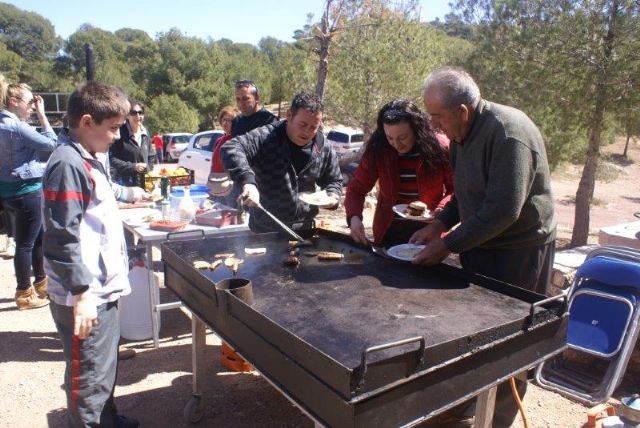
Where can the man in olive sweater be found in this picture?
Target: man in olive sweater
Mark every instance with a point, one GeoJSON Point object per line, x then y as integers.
{"type": "Point", "coordinates": [503, 205]}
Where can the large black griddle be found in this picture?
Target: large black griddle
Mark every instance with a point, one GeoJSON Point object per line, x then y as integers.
{"type": "Point", "coordinates": [367, 339]}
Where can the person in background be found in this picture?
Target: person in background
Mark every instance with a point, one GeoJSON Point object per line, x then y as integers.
{"type": "Point", "coordinates": [159, 145]}
{"type": "Point", "coordinates": [133, 153]}
{"type": "Point", "coordinates": [503, 206]}
{"type": "Point", "coordinates": [273, 164]}
{"type": "Point", "coordinates": [409, 162]}
{"type": "Point", "coordinates": [9, 228]}
{"type": "Point", "coordinates": [85, 252]}
{"type": "Point", "coordinates": [251, 115]}
{"type": "Point", "coordinates": [21, 186]}
{"type": "Point", "coordinates": [219, 183]}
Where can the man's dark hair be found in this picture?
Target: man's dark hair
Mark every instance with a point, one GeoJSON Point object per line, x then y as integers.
{"type": "Point", "coordinates": [248, 84]}
{"type": "Point", "coordinates": [308, 101]}
{"type": "Point", "coordinates": [97, 99]}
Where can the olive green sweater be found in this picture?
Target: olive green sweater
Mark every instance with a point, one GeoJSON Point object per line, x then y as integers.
{"type": "Point", "coordinates": [502, 184]}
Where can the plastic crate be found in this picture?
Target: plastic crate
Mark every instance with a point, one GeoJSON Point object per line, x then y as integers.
{"type": "Point", "coordinates": [148, 183]}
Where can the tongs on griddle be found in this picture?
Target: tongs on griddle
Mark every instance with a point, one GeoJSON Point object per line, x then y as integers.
{"type": "Point", "coordinates": [281, 224]}
{"type": "Point", "coordinates": [379, 251]}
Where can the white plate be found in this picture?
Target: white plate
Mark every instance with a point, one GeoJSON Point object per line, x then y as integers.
{"type": "Point", "coordinates": [401, 208]}
{"type": "Point", "coordinates": [405, 252]}
{"type": "Point", "coordinates": [317, 198]}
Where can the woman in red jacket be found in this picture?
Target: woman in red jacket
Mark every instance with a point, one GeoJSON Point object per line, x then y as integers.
{"type": "Point", "coordinates": [410, 163]}
{"type": "Point", "coordinates": [219, 183]}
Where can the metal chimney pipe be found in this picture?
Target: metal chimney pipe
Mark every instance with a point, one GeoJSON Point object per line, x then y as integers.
{"type": "Point", "coordinates": [90, 66]}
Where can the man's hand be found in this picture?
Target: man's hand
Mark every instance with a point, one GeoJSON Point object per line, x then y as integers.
{"type": "Point", "coordinates": [435, 252]}
{"type": "Point", "coordinates": [140, 195]}
{"type": "Point", "coordinates": [250, 195]}
{"type": "Point", "coordinates": [85, 314]}
{"type": "Point", "coordinates": [427, 233]}
{"type": "Point", "coordinates": [140, 167]}
{"type": "Point", "coordinates": [357, 231]}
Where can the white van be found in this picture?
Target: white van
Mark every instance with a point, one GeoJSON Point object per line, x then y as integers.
{"type": "Point", "coordinates": [345, 140]}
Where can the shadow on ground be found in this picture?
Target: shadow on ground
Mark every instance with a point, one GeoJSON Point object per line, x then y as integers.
{"type": "Point", "coordinates": [26, 346]}
{"type": "Point", "coordinates": [229, 399]}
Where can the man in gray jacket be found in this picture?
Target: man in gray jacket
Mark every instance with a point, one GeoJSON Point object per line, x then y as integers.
{"type": "Point", "coordinates": [503, 205]}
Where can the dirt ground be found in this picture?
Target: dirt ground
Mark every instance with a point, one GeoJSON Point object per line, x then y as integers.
{"type": "Point", "coordinates": [155, 385]}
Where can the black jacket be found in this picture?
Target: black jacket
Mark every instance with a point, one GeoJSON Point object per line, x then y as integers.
{"type": "Point", "coordinates": [262, 157]}
{"type": "Point", "coordinates": [125, 153]}
{"type": "Point", "coordinates": [243, 124]}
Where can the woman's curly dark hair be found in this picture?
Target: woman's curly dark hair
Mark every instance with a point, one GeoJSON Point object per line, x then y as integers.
{"type": "Point", "coordinates": [404, 110]}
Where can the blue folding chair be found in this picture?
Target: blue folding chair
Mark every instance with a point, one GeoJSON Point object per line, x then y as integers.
{"type": "Point", "coordinates": [604, 316]}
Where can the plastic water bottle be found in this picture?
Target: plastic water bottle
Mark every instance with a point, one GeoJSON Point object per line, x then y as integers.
{"type": "Point", "coordinates": [186, 207]}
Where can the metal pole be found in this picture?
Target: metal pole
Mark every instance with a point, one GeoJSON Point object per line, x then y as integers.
{"type": "Point", "coordinates": [88, 53]}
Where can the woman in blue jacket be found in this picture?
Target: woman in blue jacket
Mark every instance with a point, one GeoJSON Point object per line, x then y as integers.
{"type": "Point", "coordinates": [21, 185]}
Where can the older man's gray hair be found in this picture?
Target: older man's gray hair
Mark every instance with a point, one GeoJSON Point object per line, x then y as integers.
{"type": "Point", "coordinates": [454, 86]}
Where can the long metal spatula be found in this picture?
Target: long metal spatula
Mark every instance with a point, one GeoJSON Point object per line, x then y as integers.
{"type": "Point", "coordinates": [281, 224]}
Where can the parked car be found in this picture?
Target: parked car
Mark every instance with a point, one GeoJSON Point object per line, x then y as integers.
{"type": "Point", "coordinates": [174, 144]}
{"type": "Point", "coordinates": [197, 155]}
{"type": "Point", "coordinates": [345, 141]}
{"type": "Point", "coordinates": [347, 171]}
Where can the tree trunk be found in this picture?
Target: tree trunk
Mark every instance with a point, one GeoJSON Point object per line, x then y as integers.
{"type": "Point", "coordinates": [323, 66]}
{"type": "Point", "coordinates": [584, 195]}
{"type": "Point", "coordinates": [325, 43]}
{"type": "Point", "coordinates": [626, 145]}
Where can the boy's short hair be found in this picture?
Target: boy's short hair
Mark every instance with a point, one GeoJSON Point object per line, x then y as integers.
{"type": "Point", "coordinates": [308, 101]}
{"type": "Point", "coordinates": [97, 99]}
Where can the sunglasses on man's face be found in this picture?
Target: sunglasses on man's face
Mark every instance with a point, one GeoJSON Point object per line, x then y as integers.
{"type": "Point", "coordinates": [136, 113]}
{"type": "Point", "coordinates": [245, 84]}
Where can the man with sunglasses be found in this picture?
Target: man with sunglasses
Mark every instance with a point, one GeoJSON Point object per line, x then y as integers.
{"type": "Point", "coordinates": [134, 152]}
{"type": "Point", "coordinates": [275, 163]}
{"type": "Point", "coordinates": [251, 115]}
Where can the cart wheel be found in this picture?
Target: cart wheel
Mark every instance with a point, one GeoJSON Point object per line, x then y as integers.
{"type": "Point", "coordinates": [194, 410]}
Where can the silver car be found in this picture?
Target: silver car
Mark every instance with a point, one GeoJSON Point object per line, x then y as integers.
{"type": "Point", "coordinates": [174, 144]}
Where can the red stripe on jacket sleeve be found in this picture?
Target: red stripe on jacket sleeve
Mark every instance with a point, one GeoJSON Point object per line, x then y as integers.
{"type": "Point", "coordinates": [52, 195]}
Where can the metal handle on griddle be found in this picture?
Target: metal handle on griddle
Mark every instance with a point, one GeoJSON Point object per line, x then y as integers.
{"type": "Point", "coordinates": [281, 224]}
{"type": "Point", "coordinates": [534, 305]}
{"type": "Point", "coordinates": [181, 234]}
{"type": "Point", "coordinates": [363, 362]}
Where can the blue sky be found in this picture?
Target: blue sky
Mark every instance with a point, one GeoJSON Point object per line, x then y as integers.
{"type": "Point", "coordinates": [245, 21]}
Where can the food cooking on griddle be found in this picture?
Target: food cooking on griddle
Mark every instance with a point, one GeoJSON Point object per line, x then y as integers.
{"type": "Point", "coordinates": [330, 255]}
{"type": "Point", "coordinates": [223, 255]}
{"type": "Point", "coordinates": [255, 251]}
{"type": "Point", "coordinates": [233, 264]}
{"type": "Point", "coordinates": [201, 264]}
{"type": "Point", "coordinates": [305, 243]}
{"type": "Point", "coordinates": [291, 261]}
{"type": "Point", "coordinates": [311, 253]}
{"type": "Point", "coordinates": [215, 264]}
